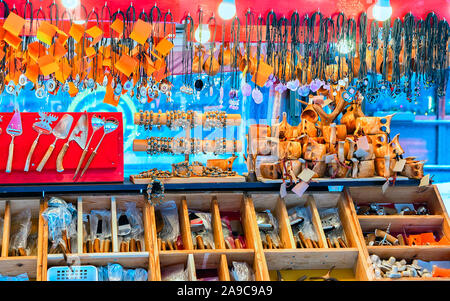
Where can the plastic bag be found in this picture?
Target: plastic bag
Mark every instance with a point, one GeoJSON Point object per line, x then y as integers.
{"type": "Point", "coordinates": [268, 229]}
{"type": "Point", "coordinates": [332, 227]}
{"type": "Point", "coordinates": [302, 227]}
{"type": "Point", "coordinates": [62, 225]}
{"type": "Point", "coordinates": [140, 275]}
{"type": "Point", "coordinates": [21, 227]}
{"type": "Point", "coordinates": [168, 223]}
{"type": "Point", "coordinates": [242, 271]}
{"type": "Point", "coordinates": [21, 277]}
{"type": "Point", "coordinates": [174, 272]}
{"type": "Point", "coordinates": [130, 229]}
{"type": "Point", "coordinates": [100, 231]}
{"type": "Point", "coordinates": [232, 233]}
{"type": "Point", "coordinates": [115, 272]}
{"type": "Point", "coordinates": [201, 230]}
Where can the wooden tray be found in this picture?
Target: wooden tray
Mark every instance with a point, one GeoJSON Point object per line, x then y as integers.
{"type": "Point", "coordinates": [176, 180]}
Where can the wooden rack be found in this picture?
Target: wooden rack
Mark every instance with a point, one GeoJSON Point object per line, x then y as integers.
{"type": "Point", "coordinates": [353, 260]}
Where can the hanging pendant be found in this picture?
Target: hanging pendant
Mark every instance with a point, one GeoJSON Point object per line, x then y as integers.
{"type": "Point", "coordinates": [246, 89]}
{"type": "Point", "coordinates": [293, 85]}
{"type": "Point", "coordinates": [91, 83]}
{"type": "Point", "coordinates": [304, 91]}
{"type": "Point", "coordinates": [50, 85]}
{"type": "Point", "coordinates": [11, 88]}
{"type": "Point", "coordinates": [198, 85]}
{"type": "Point", "coordinates": [66, 87]}
{"type": "Point", "coordinates": [23, 80]}
{"type": "Point", "coordinates": [105, 81]}
{"type": "Point", "coordinates": [211, 90]}
{"type": "Point", "coordinates": [40, 93]}
{"type": "Point", "coordinates": [257, 96]}
{"type": "Point", "coordinates": [128, 85]}
{"type": "Point", "coordinates": [118, 90]}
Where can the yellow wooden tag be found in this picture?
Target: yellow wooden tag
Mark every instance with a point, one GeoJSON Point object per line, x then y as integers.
{"type": "Point", "coordinates": [12, 40]}
{"type": "Point", "coordinates": [126, 65]}
{"type": "Point", "coordinates": [263, 73]}
{"type": "Point", "coordinates": [32, 72]}
{"type": "Point", "coordinates": [47, 65]}
{"type": "Point", "coordinates": [76, 32]}
{"type": "Point", "coordinates": [14, 24]}
{"type": "Point", "coordinates": [46, 32]}
{"type": "Point", "coordinates": [90, 51]}
{"type": "Point", "coordinates": [164, 46]}
{"type": "Point", "coordinates": [141, 31]}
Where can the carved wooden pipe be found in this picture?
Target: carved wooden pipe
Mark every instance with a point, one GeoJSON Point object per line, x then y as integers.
{"type": "Point", "coordinates": [327, 119]}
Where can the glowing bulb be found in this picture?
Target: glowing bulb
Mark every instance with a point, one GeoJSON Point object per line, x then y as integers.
{"type": "Point", "coordinates": [382, 10]}
{"type": "Point", "coordinates": [227, 9]}
{"type": "Point", "coordinates": [202, 34]}
{"type": "Point", "coordinates": [70, 4]}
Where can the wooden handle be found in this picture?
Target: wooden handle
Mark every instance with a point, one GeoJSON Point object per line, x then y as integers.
{"type": "Point", "coordinates": [60, 158]}
{"type": "Point", "coordinates": [88, 163]}
{"type": "Point", "coordinates": [10, 156]}
{"type": "Point", "coordinates": [45, 158]}
{"type": "Point", "coordinates": [80, 162]}
{"type": "Point", "coordinates": [389, 238]}
{"type": "Point", "coordinates": [30, 154]}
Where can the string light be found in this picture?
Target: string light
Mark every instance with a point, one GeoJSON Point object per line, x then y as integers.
{"type": "Point", "coordinates": [202, 34]}
{"type": "Point", "coordinates": [70, 4]}
{"type": "Point", "coordinates": [382, 10]}
{"type": "Point", "coordinates": [227, 9]}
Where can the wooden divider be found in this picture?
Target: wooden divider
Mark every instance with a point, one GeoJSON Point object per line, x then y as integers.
{"type": "Point", "coordinates": [216, 224]}
{"type": "Point", "coordinates": [317, 222]}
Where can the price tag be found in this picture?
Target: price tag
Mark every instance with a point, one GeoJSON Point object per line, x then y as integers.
{"type": "Point", "coordinates": [399, 165]}
{"type": "Point", "coordinates": [425, 181]}
{"type": "Point", "coordinates": [329, 159]}
{"type": "Point", "coordinates": [360, 153]}
{"type": "Point", "coordinates": [283, 191]}
{"type": "Point", "coordinates": [300, 188]}
{"type": "Point", "coordinates": [306, 175]}
{"type": "Point", "coordinates": [362, 143]}
{"type": "Point", "coordinates": [385, 186]}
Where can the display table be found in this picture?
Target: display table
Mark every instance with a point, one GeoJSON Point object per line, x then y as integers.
{"type": "Point", "coordinates": [246, 200]}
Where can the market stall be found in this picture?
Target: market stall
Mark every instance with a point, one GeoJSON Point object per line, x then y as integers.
{"type": "Point", "coordinates": [222, 141]}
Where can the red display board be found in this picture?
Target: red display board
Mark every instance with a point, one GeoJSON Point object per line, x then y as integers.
{"type": "Point", "coordinates": [107, 165]}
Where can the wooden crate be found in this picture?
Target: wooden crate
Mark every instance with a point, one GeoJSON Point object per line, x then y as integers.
{"type": "Point", "coordinates": [438, 221]}
{"type": "Point", "coordinates": [86, 203]}
{"type": "Point", "coordinates": [292, 258]}
{"type": "Point", "coordinates": [15, 265]}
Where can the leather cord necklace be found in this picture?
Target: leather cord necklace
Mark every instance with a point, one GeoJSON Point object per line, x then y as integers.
{"type": "Point", "coordinates": [27, 38]}
{"type": "Point", "coordinates": [168, 17]}
{"type": "Point", "coordinates": [295, 29]}
{"type": "Point", "coordinates": [50, 7]}
{"type": "Point", "coordinates": [372, 89]}
{"type": "Point", "coordinates": [397, 47]}
{"type": "Point", "coordinates": [386, 28]}
{"type": "Point", "coordinates": [431, 25]}
{"type": "Point", "coordinates": [340, 39]}
{"type": "Point", "coordinates": [442, 58]}
{"type": "Point", "coordinates": [249, 20]}
{"type": "Point", "coordinates": [305, 52]}
{"type": "Point", "coordinates": [212, 47]}
{"type": "Point", "coordinates": [152, 20]}
{"type": "Point", "coordinates": [409, 24]}
{"type": "Point", "coordinates": [235, 82]}
{"type": "Point", "coordinates": [283, 47]}
{"type": "Point", "coordinates": [312, 42]}
{"type": "Point", "coordinates": [187, 54]}
{"type": "Point", "coordinates": [91, 82]}
{"type": "Point", "coordinates": [362, 73]}
{"type": "Point", "coordinates": [199, 83]}
{"type": "Point", "coordinates": [259, 26]}
{"type": "Point", "coordinates": [130, 20]}
{"type": "Point", "coordinates": [271, 25]}
{"type": "Point", "coordinates": [351, 42]}
{"type": "Point", "coordinates": [420, 56]}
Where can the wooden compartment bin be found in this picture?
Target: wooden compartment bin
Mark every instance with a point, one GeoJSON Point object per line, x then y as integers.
{"type": "Point", "coordinates": [12, 261]}
{"type": "Point", "coordinates": [437, 222]}
{"type": "Point", "coordinates": [310, 259]}
{"type": "Point", "coordinates": [215, 203]}
{"type": "Point", "coordinates": [114, 203]}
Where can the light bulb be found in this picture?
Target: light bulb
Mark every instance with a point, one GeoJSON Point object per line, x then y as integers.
{"type": "Point", "coordinates": [382, 10]}
{"type": "Point", "coordinates": [202, 34]}
{"type": "Point", "coordinates": [70, 4]}
{"type": "Point", "coordinates": [227, 9]}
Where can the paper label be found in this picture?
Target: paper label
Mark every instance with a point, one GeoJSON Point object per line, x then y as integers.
{"type": "Point", "coordinates": [329, 159]}
{"type": "Point", "coordinates": [385, 186]}
{"type": "Point", "coordinates": [425, 181]}
{"type": "Point", "coordinates": [306, 175]}
{"type": "Point", "coordinates": [360, 153]}
{"type": "Point", "coordinates": [283, 191]}
{"type": "Point", "coordinates": [399, 165]}
{"type": "Point", "coordinates": [300, 188]}
{"type": "Point", "coordinates": [363, 143]}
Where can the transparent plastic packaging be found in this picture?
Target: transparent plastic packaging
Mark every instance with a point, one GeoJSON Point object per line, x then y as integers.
{"type": "Point", "coordinates": [201, 230]}
{"type": "Point", "coordinates": [99, 238]}
{"type": "Point", "coordinates": [62, 225]}
{"type": "Point", "coordinates": [21, 227]}
{"type": "Point", "coordinates": [242, 271]}
{"type": "Point", "coordinates": [302, 227]}
{"type": "Point", "coordinates": [332, 227]}
{"type": "Point", "coordinates": [130, 229]}
{"type": "Point", "coordinates": [115, 272]}
{"type": "Point", "coordinates": [268, 229]}
{"type": "Point", "coordinates": [175, 272]}
{"type": "Point", "coordinates": [168, 223]}
{"type": "Point", "coordinates": [20, 277]}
